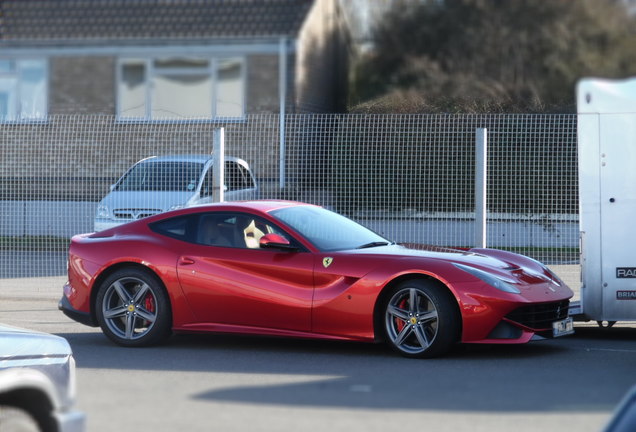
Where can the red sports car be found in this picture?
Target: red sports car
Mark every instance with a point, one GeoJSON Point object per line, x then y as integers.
{"type": "Point", "coordinates": [292, 269]}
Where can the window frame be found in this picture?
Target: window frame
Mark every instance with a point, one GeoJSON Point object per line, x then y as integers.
{"type": "Point", "coordinates": [151, 71]}
{"type": "Point", "coordinates": [15, 89]}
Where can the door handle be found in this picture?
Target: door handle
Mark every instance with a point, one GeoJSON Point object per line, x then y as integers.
{"type": "Point", "coordinates": [186, 261]}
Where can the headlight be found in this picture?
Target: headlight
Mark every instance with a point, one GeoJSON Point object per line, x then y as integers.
{"type": "Point", "coordinates": [556, 279]}
{"type": "Point", "coordinates": [102, 212]}
{"type": "Point", "coordinates": [496, 282]}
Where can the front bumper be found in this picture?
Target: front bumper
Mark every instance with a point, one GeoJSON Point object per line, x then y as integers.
{"type": "Point", "coordinates": [522, 324]}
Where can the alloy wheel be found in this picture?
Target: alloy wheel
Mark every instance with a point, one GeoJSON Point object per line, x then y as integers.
{"type": "Point", "coordinates": [129, 308]}
{"type": "Point", "coordinates": [411, 321]}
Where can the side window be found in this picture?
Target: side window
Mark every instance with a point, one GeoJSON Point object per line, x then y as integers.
{"type": "Point", "coordinates": [236, 230]}
{"type": "Point", "coordinates": [234, 178]}
{"type": "Point", "coordinates": [215, 230]}
{"type": "Point", "coordinates": [178, 227]}
{"type": "Point", "coordinates": [247, 177]}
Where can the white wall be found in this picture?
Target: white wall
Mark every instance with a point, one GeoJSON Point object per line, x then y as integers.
{"type": "Point", "coordinates": [46, 218]}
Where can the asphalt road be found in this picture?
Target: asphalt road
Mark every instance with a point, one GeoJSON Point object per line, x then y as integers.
{"type": "Point", "coordinates": [224, 383]}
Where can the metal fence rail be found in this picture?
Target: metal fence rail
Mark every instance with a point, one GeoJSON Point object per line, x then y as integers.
{"type": "Point", "coordinates": [410, 177]}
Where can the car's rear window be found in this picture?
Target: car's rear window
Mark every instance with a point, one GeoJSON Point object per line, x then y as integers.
{"type": "Point", "coordinates": [178, 227]}
{"type": "Point", "coordinates": [161, 176]}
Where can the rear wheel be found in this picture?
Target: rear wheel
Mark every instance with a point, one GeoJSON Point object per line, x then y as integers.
{"type": "Point", "coordinates": [133, 308]}
{"type": "Point", "coordinates": [421, 319]}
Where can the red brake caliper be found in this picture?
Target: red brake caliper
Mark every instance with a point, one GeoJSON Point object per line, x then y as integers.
{"type": "Point", "coordinates": [398, 322]}
{"type": "Point", "coordinates": [149, 305]}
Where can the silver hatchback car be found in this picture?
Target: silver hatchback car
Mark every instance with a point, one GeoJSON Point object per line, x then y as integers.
{"type": "Point", "coordinates": [161, 183]}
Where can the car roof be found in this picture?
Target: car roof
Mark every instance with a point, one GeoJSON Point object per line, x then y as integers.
{"type": "Point", "coordinates": [200, 158]}
{"type": "Point", "coordinates": [259, 205]}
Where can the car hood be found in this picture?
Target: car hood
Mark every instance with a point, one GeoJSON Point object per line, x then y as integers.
{"type": "Point", "coordinates": [506, 265]}
{"type": "Point", "coordinates": [468, 257]}
{"type": "Point", "coordinates": [21, 344]}
{"type": "Point", "coordinates": [161, 201]}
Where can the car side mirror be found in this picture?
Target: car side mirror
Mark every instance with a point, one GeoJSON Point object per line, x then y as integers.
{"type": "Point", "coordinates": [275, 241]}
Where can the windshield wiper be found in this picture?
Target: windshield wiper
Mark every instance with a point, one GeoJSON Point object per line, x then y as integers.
{"type": "Point", "coordinates": [374, 244]}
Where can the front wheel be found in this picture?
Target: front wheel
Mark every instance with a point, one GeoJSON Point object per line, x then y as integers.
{"type": "Point", "coordinates": [421, 319]}
{"type": "Point", "coordinates": [133, 308]}
{"type": "Point", "coordinates": [13, 419]}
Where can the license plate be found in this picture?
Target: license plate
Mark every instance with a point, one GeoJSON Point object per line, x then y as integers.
{"type": "Point", "coordinates": [563, 327]}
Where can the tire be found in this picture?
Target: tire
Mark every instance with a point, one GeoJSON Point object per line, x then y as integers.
{"type": "Point", "coordinates": [16, 420]}
{"type": "Point", "coordinates": [421, 319]}
{"type": "Point", "coordinates": [133, 308]}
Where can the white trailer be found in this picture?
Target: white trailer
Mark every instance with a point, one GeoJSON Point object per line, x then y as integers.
{"type": "Point", "coordinates": [607, 199]}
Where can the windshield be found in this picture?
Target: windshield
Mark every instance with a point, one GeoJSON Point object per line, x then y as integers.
{"type": "Point", "coordinates": [161, 176]}
{"type": "Point", "coordinates": [326, 230]}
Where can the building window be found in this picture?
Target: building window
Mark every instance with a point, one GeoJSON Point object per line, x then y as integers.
{"type": "Point", "coordinates": [23, 90]}
{"type": "Point", "coordinates": [180, 88]}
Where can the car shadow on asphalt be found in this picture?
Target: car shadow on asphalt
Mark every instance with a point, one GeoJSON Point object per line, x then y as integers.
{"type": "Point", "coordinates": [538, 376]}
{"type": "Point", "coordinates": [88, 349]}
{"type": "Point", "coordinates": [88, 346]}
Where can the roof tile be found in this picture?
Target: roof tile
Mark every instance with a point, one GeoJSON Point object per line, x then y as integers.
{"type": "Point", "coordinates": [32, 20]}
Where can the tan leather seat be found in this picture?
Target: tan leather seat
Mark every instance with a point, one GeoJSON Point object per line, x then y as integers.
{"type": "Point", "coordinates": [252, 235]}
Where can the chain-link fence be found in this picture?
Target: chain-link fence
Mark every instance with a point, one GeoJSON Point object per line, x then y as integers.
{"type": "Point", "coordinates": [409, 177]}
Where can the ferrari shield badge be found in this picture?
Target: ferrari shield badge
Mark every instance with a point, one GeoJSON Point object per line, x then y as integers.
{"type": "Point", "coordinates": [326, 262]}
